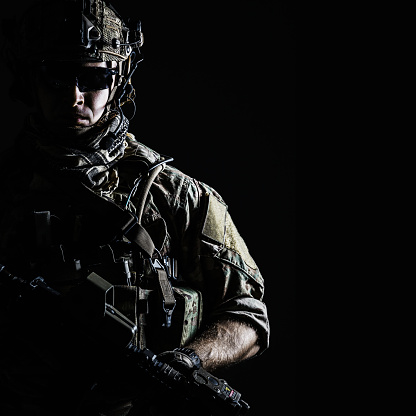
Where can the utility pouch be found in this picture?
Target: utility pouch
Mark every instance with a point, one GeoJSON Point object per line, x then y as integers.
{"type": "Point", "coordinates": [188, 313]}
{"type": "Point", "coordinates": [186, 319]}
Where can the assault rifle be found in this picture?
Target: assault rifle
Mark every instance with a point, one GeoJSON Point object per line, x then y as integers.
{"type": "Point", "coordinates": [107, 324]}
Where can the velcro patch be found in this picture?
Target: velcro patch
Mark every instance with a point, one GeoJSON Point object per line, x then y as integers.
{"type": "Point", "coordinates": [234, 242]}
{"type": "Point", "coordinates": [214, 226]}
{"type": "Point", "coordinates": [220, 227]}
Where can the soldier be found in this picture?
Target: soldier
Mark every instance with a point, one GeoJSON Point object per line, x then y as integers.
{"type": "Point", "coordinates": [82, 197]}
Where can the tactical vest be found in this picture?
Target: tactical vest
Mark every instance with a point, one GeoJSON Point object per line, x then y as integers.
{"type": "Point", "coordinates": [101, 236]}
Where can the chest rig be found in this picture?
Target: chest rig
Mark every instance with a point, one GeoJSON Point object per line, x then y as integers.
{"type": "Point", "coordinates": [104, 237]}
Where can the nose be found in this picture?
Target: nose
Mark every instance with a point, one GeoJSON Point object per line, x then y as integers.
{"type": "Point", "coordinates": [76, 96]}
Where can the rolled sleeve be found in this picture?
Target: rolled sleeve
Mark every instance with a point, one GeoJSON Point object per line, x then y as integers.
{"type": "Point", "coordinates": [250, 310]}
{"type": "Point", "coordinates": [222, 267]}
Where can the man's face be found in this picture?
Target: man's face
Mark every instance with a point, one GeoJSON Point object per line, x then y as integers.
{"type": "Point", "coordinates": [63, 103]}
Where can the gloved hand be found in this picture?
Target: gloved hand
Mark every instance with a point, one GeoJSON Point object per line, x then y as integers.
{"type": "Point", "coordinates": [184, 360]}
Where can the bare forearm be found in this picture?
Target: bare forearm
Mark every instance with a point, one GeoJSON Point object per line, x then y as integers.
{"type": "Point", "coordinates": [224, 343]}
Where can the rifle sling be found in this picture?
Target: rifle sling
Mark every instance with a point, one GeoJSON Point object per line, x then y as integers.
{"type": "Point", "coordinates": [138, 235]}
{"type": "Point", "coordinates": [169, 301]}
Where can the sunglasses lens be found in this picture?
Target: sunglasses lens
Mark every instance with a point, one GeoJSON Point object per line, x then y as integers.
{"type": "Point", "coordinates": [86, 78]}
{"type": "Point", "coordinates": [92, 78]}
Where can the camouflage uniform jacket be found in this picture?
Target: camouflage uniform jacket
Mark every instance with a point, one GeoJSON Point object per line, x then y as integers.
{"type": "Point", "coordinates": [187, 220]}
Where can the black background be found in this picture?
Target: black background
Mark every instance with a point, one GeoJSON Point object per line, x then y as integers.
{"type": "Point", "coordinates": [216, 91]}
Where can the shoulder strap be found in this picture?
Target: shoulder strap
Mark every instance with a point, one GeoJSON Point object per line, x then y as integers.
{"type": "Point", "coordinates": [133, 229]}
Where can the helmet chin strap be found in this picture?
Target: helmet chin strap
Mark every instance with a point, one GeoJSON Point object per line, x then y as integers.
{"type": "Point", "coordinates": [123, 87]}
{"type": "Point", "coordinates": [118, 83]}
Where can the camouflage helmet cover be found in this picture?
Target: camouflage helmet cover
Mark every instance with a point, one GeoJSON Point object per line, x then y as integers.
{"type": "Point", "coordinates": [77, 30]}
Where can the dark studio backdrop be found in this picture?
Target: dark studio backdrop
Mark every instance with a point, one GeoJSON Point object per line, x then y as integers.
{"type": "Point", "coordinates": [216, 91]}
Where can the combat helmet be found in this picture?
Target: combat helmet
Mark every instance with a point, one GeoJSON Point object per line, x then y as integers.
{"type": "Point", "coordinates": [77, 31]}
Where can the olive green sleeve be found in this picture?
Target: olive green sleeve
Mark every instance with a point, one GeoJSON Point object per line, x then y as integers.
{"type": "Point", "coordinates": [220, 263]}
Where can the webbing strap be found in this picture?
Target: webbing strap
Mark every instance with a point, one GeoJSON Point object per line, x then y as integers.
{"type": "Point", "coordinates": [141, 238]}
{"type": "Point", "coordinates": [169, 301]}
{"type": "Point", "coordinates": [167, 291]}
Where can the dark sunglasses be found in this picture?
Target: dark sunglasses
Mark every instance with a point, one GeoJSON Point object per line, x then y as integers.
{"type": "Point", "coordinates": [86, 78]}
